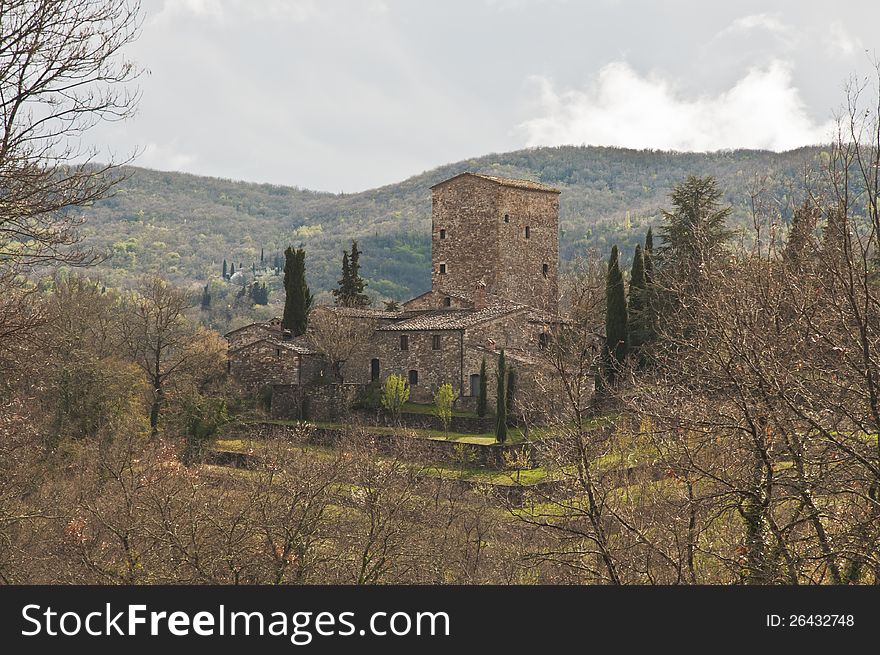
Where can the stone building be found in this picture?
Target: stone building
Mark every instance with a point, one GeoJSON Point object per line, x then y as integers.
{"type": "Point", "coordinates": [494, 286]}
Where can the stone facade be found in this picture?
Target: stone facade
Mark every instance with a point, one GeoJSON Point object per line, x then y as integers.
{"type": "Point", "coordinates": [503, 233]}
{"type": "Point", "coordinates": [264, 362]}
{"type": "Point", "coordinates": [494, 286]}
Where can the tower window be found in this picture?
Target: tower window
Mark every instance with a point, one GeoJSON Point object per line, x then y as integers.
{"type": "Point", "coordinates": [527, 231]}
{"type": "Point", "coordinates": [442, 269]}
{"type": "Point", "coordinates": [413, 378]}
{"type": "Point", "coordinates": [442, 234]}
{"type": "Point", "coordinates": [546, 269]}
{"type": "Point", "coordinates": [435, 342]}
{"type": "Point", "coordinates": [278, 352]}
{"type": "Point", "coordinates": [447, 302]}
{"type": "Point", "coordinates": [507, 218]}
{"type": "Point", "coordinates": [404, 342]}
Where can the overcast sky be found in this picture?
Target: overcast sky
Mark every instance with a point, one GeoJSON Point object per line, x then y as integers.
{"type": "Point", "coordinates": [347, 95]}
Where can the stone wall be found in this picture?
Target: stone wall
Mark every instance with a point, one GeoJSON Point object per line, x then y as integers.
{"type": "Point", "coordinates": [466, 208]}
{"type": "Point", "coordinates": [521, 260]}
{"type": "Point", "coordinates": [435, 367]}
{"type": "Point", "coordinates": [483, 225]}
{"type": "Point", "coordinates": [264, 363]}
{"type": "Point", "coordinates": [318, 402]}
{"type": "Point", "coordinates": [492, 456]}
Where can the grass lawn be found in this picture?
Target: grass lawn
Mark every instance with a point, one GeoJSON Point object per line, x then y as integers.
{"type": "Point", "coordinates": [421, 408]}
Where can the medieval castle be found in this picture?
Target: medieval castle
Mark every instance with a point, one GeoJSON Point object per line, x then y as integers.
{"type": "Point", "coordinates": [494, 286]}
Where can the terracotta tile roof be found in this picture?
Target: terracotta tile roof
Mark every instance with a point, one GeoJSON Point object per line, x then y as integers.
{"type": "Point", "coordinates": [455, 319]}
{"type": "Point", "coordinates": [505, 181]}
{"type": "Point", "coordinates": [362, 312]}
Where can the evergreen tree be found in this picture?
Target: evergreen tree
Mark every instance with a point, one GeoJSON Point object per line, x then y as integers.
{"type": "Point", "coordinates": [501, 401]}
{"type": "Point", "coordinates": [225, 276]}
{"type": "Point", "coordinates": [357, 296]}
{"type": "Point", "coordinates": [297, 298]}
{"type": "Point", "coordinates": [342, 293]}
{"type": "Point", "coordinates": [350, 292]}
{"type": "Point", "coordinates": [254, 269]}
{"type": "Point", "coordinates": [615, 318]}
{"type": "Point", "coordinates": [232, 270]}
{"type": "Point", "coordinates": [259, 293]}
{"type": "Point", "coordinates": [483, 391]}
{"type": "Point", "coordinates": [801, 237]}
{"type": "Point", "coordinates": [261, 256]}
{"type": "Point", "coordinates": [637, 309]}
{"type": "Point", "coordinates": [648, 255]}
{"type": "Point", "coordinates": [392, 306]}
{"type": "Point", "coordinates": [695, 231]}
{"type": "Point", "coordinates": [206, 298]}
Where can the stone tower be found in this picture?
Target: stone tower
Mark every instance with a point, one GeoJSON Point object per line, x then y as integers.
{"type": "Point", "coordinates": [496, 236]}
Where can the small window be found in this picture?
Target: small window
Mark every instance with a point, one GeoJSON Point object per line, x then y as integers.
{"type": "Point", "coordinates": [413, 378]}
{"type": "Point", "coordinates": [507, 218]}
{"type": "Point", "coordinates": [546, 270]}
{"type": "Point", "coordinates": [374, 370]}
{"type": "Point", "coordinates": [278, 352]}
{"type": "Point", "coordinates": [442, 234]}
{"type": "Point", "coordinates": [475, 384]}
{"type": "Point", "coordinates": [404, 342]}
{"type": "Point", "coordinates": [527, 231]}
{"type": "Point", "coordinates": [543, 340]}
{"type": "Point", "coordinates": [447, 302]}
{"type": "Point", "coordinates": [435, 342]}
{"type": "Point", "coordinates": [442, 269]}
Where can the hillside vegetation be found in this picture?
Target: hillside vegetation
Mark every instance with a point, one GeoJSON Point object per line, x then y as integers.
{"type": "Point", "coordinates": [183, 226]}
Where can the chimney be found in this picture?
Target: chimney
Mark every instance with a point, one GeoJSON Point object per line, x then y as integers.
{"type": "Point", "coordinates": [480, 296]}
{"type": "Point", "coordinates": [490, 344]}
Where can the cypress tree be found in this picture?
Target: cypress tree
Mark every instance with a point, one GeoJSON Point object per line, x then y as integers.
{"type": "Point", "coordinates": [637, 311]}
{"type": "Point", "coordinates": [297, 298]}
{"type": "Point", "coordinates": [350, 290]}
{"type": "Point", "coordinates": [615, 318]}
{"type": "Point", "coordinates": [232, 270]}
{"type": "Point", "coordinates": [648, 255]}
{"type": "Point", "coordinates": [206, 298]}
{"type": "Point", "coordinates": [483, 391]}
{"type": "Point", "coordinates": [343, 290]}
{"type": "Point", "coordinates": [225, 276]}
{"type": "Point", "coordinates": [501, 401]}
{"type": "Point", "coordinates": [261, 255]}
{"type": "Point", "coordinates": [358, 297]}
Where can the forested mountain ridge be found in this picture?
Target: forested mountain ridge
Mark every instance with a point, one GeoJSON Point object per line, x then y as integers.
{"type": "Point", "coordinates": [183, 226]}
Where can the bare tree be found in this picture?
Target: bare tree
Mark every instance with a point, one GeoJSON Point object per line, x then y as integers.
{"type": "Point", "coordinates": [338, 335]}
{"type": "Point", "coordinates": [61, 72]}
{"type": "Point", "coordinates": [163, 343]}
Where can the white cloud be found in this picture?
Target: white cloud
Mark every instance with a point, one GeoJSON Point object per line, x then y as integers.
{"type": "Point", "coordinates": [165, 157]}
{"type": "Point", "coordinates": [769, 22]}
{"type": "Point", "coordinates": [762, 110]}
{"type": "Point", "coordinates": [840, 42]}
